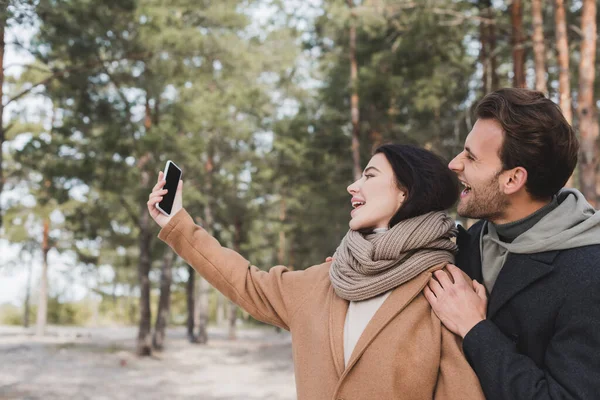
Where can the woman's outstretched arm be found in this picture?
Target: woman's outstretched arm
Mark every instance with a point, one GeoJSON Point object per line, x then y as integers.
{"type": "Point", "coordinates": [272, 297]}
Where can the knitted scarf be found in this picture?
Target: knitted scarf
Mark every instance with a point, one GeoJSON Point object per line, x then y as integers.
{"type": "Point", "coordinates": [365, 266]}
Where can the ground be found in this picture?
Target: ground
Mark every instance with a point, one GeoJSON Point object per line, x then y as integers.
{"type": "Point", "coordinates": [99, 364]}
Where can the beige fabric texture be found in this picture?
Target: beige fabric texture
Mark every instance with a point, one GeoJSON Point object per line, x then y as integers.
{"type": "Point", "coordinates": [366, 266]}
{"type": "Point", "coordinates": [403, 353]}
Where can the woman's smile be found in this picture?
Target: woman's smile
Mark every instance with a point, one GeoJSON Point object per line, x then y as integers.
{"type": "Point", "coordinates": [380, 185]}
{"type": "Point", "coordinates": [356, 204]}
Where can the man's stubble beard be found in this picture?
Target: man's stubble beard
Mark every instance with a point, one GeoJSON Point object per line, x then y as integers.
{"type": "Point", "coordinates": [486, 203]}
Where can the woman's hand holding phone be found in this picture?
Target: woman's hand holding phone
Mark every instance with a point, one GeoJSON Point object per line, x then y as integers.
{"type": "Point", "coordinates": [156, 197]}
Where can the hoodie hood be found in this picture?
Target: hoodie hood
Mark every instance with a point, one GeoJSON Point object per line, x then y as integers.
{"type": "Point", "coordinates": [574, 223]}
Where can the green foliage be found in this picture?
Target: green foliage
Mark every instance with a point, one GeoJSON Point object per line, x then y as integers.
{"type": "Point", "coordinates": [414, 71]}
{"type": "Point", "coordinates": [255, 111]}
{"type": "Point", "coordinates": [68, 313]}
{"type": "Point", "coordinates": [10, 315]}
{"type": "Point", "coordinates": [59, 313]}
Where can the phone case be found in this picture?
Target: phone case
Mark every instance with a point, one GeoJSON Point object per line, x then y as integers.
{"type": "Point", "coordinates": [165, 174]}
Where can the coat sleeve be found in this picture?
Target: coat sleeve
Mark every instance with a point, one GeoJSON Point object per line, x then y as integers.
{"type": "Point", "coordinates": [271, 297]}
{"type": "Point", "coordinates": [456, 379]}
{"type": "Point", "coordinates": [572, 360]}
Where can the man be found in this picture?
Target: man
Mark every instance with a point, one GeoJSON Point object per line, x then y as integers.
{"type": "Point", "coordinates": [536, 334]}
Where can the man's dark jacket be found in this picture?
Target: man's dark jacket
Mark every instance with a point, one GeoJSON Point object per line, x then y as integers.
{"type": "Point", "coordinates": [541, 338]}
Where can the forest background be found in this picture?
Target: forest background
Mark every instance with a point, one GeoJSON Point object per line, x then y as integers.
{"type": "Point", "coordinates": [271, 108]}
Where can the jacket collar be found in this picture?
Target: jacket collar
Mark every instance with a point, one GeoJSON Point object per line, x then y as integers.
{"type": "Point", "coordinates": [391, 307]}
{"type": "Point", "coordinates": [338, 308]}
{"type": "Point", "coordinates": [519, 271]}
{"type": "Point", "coordinates": [469, 254]}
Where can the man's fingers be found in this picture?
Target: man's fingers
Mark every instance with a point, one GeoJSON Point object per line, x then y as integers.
{"type": "Point", "coordinates": [429, 295]}
{"type": "Point", "coordinates": [443, 278]}
{"type": "Point", "coordinates": [180, 185]}
{"type": "Point", "coordinates": [456, 273]}
{"type": "Point", "coordinates": [452, 267]}
{"type": "Point", "coordinates": [329, 259]}
{"type": "Point", "coordinates": [479, 289]}
{"type": "Point", "coordinates": [435, 287]}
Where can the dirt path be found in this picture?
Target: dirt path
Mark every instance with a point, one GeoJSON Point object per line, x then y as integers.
{"type": "Point", "coordinates": [98, 364]}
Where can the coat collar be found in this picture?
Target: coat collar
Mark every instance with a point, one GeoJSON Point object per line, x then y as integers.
{"type": "Point", "coordinates": [519, 271]}
{"type": "Point", "coordinates": [338, 308]}
{"type": "Point", "coordinates": [391, 307]}
{"type": "Point", "coordinates": [469, 254]}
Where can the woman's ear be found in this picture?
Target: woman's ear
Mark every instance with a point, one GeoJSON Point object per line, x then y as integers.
{"type": "Point", "coordinates": [401, 197]}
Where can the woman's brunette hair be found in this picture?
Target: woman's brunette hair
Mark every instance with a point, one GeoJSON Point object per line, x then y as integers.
{"type": "Point", "coordinates": [429, 184]}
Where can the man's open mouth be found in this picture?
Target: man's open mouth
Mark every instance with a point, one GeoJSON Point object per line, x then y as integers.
{"type": "Point", "coordinates": [466, 190]}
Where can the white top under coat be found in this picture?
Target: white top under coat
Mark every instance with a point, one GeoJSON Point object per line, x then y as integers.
{"type": "Point", "coordinates": [358, 316]}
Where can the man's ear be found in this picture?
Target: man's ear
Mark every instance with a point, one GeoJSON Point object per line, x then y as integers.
{"type": "Point", "coordinates": [514, 179]}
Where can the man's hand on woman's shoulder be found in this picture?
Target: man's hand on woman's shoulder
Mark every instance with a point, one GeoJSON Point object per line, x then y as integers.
{"type": "Point", "coordinates": [459, 303]}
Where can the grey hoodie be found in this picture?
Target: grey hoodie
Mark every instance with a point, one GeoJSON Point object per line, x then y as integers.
{"type": "Point", "coordinates": [574, 223]}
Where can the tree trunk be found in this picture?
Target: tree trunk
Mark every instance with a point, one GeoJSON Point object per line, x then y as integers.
{"type": "Point", "coordinates": [282, 241]}
{"type": "Point", "coordinates": [518, 45]}
{"type": "Point", "coordinates": [189, 295]}
{"type": "Point", "coordinates": [203, 291]}
{"type": "Point", "coordinates": [42, 311]}
{"type": "Point", "coordinates": [281, 253]}
{"type": "Point", "coordinates": [164, 302]}
{"type": "Point", "coordinates": [564, 85]}
{"type": "Point", "coordinates": [487, 55]}
{"type": "Point", "coordinates": [203, 286]}
{"type": "Point", "coordinates": [233, 308]}
{"type": "Point", "coordinates": [144, 340]}
{"type": "Point", "coordinates": [220, 309]}
{"type": "Point", "coordinates": [26, 311]}
{"type": "Point", "coordinates": [562, 48]}
{"type": "Point", "coordinates": [484, 52]}
{"type": "Point", "coordinates": [539, 48]}
{"type": "Point", "coordinates": [95, 312]}
{"type": "Point", "coordinates": [354, 99]}
{"type": "Point", "coordinates": [3, 18]}
{"type": "Point", "coordinates": [588, 125]}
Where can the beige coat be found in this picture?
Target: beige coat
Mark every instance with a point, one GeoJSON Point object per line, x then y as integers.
{"type": "Point", "coordinates": [404, 352]}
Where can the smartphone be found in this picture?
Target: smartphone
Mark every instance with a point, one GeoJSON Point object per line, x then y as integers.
{"type": "Point", "coordinates": [172, 175]}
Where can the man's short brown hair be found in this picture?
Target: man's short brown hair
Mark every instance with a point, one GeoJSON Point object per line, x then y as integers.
{"type": "Point", "coordinates": [537, 137]}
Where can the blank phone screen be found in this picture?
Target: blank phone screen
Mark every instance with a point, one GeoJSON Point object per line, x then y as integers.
{"type": "Point", "coordinates": [173, 175]}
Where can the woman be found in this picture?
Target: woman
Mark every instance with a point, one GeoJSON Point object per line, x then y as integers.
{"type": "Point", "coordinates": [361, 326]}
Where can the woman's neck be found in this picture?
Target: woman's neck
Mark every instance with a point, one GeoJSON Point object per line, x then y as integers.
{"type": "Point", "coordinates": [380, 230]}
